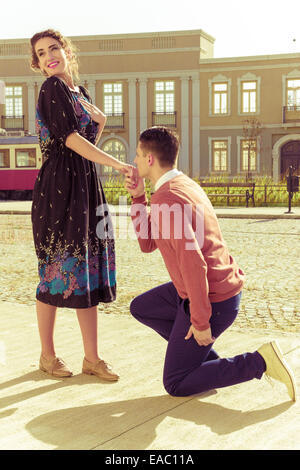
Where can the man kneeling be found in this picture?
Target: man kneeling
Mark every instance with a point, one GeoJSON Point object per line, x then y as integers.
{"type": "Point", "coordinates": [202, 300]}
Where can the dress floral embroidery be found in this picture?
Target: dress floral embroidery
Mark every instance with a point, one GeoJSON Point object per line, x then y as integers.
{"type": "Point", "coordinates": [76, 268]}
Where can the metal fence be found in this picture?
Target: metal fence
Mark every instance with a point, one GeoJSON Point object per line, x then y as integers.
{"type": "Point", "coordinates": [274, 194]}
{"type": "Point", "coordinates": [264, 195]}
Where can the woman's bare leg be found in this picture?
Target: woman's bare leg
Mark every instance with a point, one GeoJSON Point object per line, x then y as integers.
{"type": "Point", "coordinates": [46, 315]}
{"type": "Point", "coordinates": [88, 321]}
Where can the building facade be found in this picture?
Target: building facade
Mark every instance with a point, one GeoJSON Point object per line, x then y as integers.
{"type": "Point", "coordinates": [234, 115]}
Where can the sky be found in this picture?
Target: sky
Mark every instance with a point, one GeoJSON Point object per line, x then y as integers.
{"type": "Point", "coordinates": [240, 27]}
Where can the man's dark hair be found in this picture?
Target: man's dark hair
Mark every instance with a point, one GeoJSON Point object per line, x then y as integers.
{"type": "Point", "coordinates": [162, 142]}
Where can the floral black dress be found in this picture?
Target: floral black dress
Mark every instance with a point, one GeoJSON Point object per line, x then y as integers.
{"type": "Point", "coordinates": [72, 228]}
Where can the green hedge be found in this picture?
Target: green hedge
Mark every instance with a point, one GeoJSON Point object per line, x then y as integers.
{"type": "Point", "coordinates": [114, 189]}
{"type": "Point", "coordinates": [267, 193]}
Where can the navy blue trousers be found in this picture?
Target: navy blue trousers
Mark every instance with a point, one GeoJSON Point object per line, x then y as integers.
{"type": "Point", "coordinates": [190, 369]}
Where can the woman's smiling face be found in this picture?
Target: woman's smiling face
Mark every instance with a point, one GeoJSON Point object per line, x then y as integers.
{"type": "Point", "coordinates": [52, 57]}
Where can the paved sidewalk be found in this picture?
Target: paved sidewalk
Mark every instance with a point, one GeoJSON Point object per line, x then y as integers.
{"type": "Point", "coordinates": [40, 412]}
{"type": "Point", "coordinates": [24, 207]}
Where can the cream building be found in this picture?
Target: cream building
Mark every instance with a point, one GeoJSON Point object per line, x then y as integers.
{"type": "Point", "coordinates": [233, 115]}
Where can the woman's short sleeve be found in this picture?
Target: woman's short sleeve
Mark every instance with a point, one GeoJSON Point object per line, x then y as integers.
{"type": "Point", "coordinates": [56, 107]}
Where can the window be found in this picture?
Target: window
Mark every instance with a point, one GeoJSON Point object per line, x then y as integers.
{"type": "Point", "coordinates": [164, 105]}
{"type": "Point", "coordinates": [113, 105]}
{"type": "Point", "coordinates": [164, 97]}
{"type": "Point", "coordinates": [113, 98]}
{"type": "Point", "coordinates": [219, 95]}
{"type": "Point", "coordinates": [220, 98]}
{"type": "Point", "coordinates": [220, 155]}
{"type": "Point", "coordinates": [25, 158]}
{"type": "Point", "coordinates": [2, 92]}
{"type": "Point", "coordinates": [13, 101]}
{"type": "Point", "coordinates": [293, 93]}
{"type": "Point", "coordinates": [249, 86]}
{"type": "Point", "coordinates": [4, 158]}
{"type": "Point", "coordinates": [249, 155]}
{"type": "Point", "coordinates": [249, 93]}
{"type": "Point", "coordinates": [115, 148]}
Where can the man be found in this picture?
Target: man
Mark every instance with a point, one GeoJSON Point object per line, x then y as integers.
{"type": "Point", "coordinates": [203, 297]}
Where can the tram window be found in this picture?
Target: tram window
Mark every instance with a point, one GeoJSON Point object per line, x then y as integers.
{"type": "Point", "coordinates": [4, 158]}
{"type": "Point", "coordinates": [25, 158]}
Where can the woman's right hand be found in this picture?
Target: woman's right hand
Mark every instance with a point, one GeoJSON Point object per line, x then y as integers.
{"type": "Point", "coordinates": [133, 183]}
{"type": "Point", "coordinates": [124, 168]}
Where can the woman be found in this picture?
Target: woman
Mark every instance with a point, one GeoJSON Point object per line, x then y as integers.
{"type": "Point", "coordinates": [76, 268]}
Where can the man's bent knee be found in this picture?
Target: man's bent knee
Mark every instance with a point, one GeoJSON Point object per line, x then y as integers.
{"type": "Point", "coordinates": [134, 307]}
{"type": "Point", "coordinates": [137, 308]}
{"type": "Point", "coordinates": [172, 388]}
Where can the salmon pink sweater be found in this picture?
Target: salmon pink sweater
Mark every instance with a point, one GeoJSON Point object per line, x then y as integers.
{"type": "Point", "coordinates": [183, 225]}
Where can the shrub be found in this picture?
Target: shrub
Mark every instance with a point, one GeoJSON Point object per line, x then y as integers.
{"type": "Point", "coordinates": [267, 192]}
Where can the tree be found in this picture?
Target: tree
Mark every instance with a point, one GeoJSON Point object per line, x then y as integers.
{"type": "Point", "coordinates": [251, 131]}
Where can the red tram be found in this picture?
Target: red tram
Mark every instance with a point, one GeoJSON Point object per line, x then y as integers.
{"type": "Point", "coordinates": [20, 161]}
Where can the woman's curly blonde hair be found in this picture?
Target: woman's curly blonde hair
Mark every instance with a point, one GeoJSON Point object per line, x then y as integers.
{"type": "Point", "coordinates": [65, 43]}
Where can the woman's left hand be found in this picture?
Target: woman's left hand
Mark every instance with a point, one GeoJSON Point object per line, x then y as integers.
{"type": "Point", "coordinates": [96, 114]}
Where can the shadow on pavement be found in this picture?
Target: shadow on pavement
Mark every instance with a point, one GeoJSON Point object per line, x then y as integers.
{"type": "Point", "coordinates": [90, 426]}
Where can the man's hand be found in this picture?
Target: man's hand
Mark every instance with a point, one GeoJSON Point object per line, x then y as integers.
{"type": "Point", "coordinates": [203, 338]}
{"type": "Point", "coordinates": [134, 184]}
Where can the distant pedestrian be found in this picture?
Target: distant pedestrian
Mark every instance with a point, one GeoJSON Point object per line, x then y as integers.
{"type": "Point", "coordinates": [76, 268]}
{"type": "Point", "coordinates": [203, 298]}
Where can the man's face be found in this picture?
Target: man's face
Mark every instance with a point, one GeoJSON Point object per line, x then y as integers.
{"type": "Point", "coordinates": [141, 162]}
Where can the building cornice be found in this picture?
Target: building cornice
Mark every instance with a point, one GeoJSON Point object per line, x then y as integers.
{"type": "Point", "coordinates": [27, 79]}
{"type": "Point", "coordinates": [118, 52]}
{"type": "Point", "coordinates": [97, 37]}
{"type": "Point", "coordinates": [188, 74]}
{"type": "Point", "coordinates": [140, 51]}
{"type": "Point", "coordinates": [239, 127]}
{"type": "Point", "coordinates": [249, 67]}
{"type": "Point", "coordinates": [252, 58]}
{"type": "Point", "coordinates": [193, 32]}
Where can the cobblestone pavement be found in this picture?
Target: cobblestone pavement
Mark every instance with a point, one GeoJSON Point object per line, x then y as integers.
{"type": "Point", "coordinates": [267, 250]}
{"type": "Point", "coordinates": [269, 253]}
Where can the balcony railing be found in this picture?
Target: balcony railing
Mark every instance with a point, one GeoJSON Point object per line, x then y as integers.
{"type": "Point", "coordinates": [12, 123]}
{"type": "Point", "coordinates": [291, 113]}
{"type": "Point", "coordinates": [164, 119]}
{"type": "Point", "coordinates": [115, 121]}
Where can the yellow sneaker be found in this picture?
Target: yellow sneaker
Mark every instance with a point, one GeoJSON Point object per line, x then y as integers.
{"type": "Point", "coordinates": [277, 367]}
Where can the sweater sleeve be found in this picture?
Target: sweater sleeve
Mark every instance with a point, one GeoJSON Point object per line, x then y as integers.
{"type": "Point", "coordinates": [193, 268]}
{"type": "Point", "coordinates": [142, 224]}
